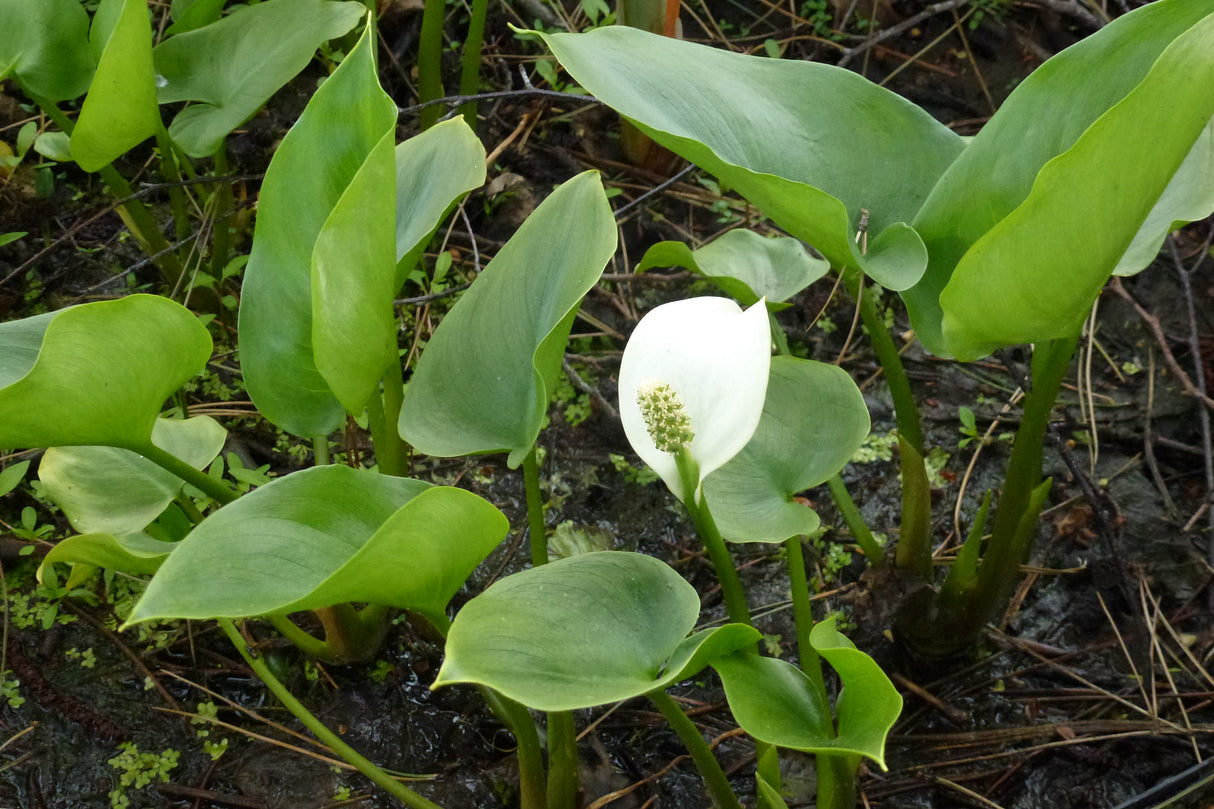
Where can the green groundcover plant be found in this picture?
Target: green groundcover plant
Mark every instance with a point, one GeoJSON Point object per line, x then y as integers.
{"type": "Point", "coordinates": [1111, 138]}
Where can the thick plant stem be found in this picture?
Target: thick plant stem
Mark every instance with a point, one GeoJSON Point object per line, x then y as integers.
{"type": "Point", "coordinates": [308, 644]}
{"type": "Point", "coordinates": [807, 656]}
{"type": "Point", "coordinates": [394, 399]}
{"type": "Point", "coordinates": [914, 540]}
{"type": "Point", "coordinates": [532, 778]}
{"type": "Point", "coordinates": [168, 166]}
{"type": "Point", "coordinates": [320, 450]}
{"type": "Point", "coordinates": [470, 62]}
{"type": "Point", "coordinates": [516, 717]}
{"type": "Point", "coordinates": [430, 61]}
{"type": "Point", "coordinates": [723, 796]}
{"type": "Point", "coordinates": [836, 781]}
{"type": "Point", "coordinates": [1009, 547]}
{"type": "Point", "coordinates": [389, 452]}
{"type": "Point", "coordinates": [211, 487]}
{"type": "Point", "coordinates": [349, 636]}
{"type": "Point", "coordinates": [954, 620]}
{"type": "Point", "coordinates": [855, 523]}
{"type": "Point", "coordinates": [562, 761]}
{"type": "Point", "coordinates": [318, 728]}
{"type": "Point", "coordinates": [134, 214]}
{"type": "Point", "coordinates": [905, 411]}
{"type": "Point", "coordinates": [535, 510]}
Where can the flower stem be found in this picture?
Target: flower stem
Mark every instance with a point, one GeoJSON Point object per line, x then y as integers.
{"type": "Point", "coordinates": [706, 527]}
{"type": "Point", "coordinates": [722, 793]}
{"type": "Point", "coordinates": [318, 728]}
{"type": "Point", "coordinates": [535, 510]}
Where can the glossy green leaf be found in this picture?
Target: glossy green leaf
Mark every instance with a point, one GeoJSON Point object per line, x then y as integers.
{"type": "Point", "coordinates": [484, 380]}
{"type": "Point", "coordinates": [354, 281]}
{"type": "Point", "coordinates": [97, 373]}
{"type": "Point", "coordinates": [584, 631]}
{"type": "Point", "coordinates": [310, 173]}
{"type": "Point", "coordinates": [810, 144]}
{"type": "Point", "coordinates": [433, 170]}
{"type": "Point", "coordinates": [134, 553]}
{"type": "Point", "coordinates": [745, 265]}
{"type": "Point", "coordinates": [120, 111]}
{"type": "Point", "coordinates": [45, 47]}
{"type": "Point", "coordinates": [110, 490]}
{"type": "Point", "coordinates": [1090, 189]}
{"type": "Point", "coordinates": [775, 702]}
{"type": "Point", "coordinates": [233, 66]}
{"type": "Point", "coordinates": [814, 420]}
{"type": "Point", "coordinates": [324, 536]}
{"type": "Point", "coordinates": [11, 476]}
{"type": "Point", "coordinates": [189, 15]}
{"type": "Point", "coordinates": [1024, 281]}
{"type": "Point", "coordinates": [1188, 198]}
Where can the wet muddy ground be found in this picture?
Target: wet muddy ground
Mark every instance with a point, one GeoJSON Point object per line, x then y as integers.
{"type": "Point", "coordinates": [1093, 690]}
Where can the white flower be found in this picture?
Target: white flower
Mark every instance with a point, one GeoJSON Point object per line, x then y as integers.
{"type": "Point", "coordinates": [694, 376]}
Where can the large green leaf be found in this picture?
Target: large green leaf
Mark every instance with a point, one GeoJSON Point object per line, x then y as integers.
{"type": "Point", "coordinates": [310, 173]}
{"type": "Point", "coordinates": [776, 703]}
{"type": "Point", "coordinates": [135, 553]}
{"type": "Point", "coordinates": [324, 536]}
{"type": "Point", "coordinates": [120, 111]}
{"type": "Point", "coordinates": [1025, 281]}
{"type": "Point", "coordinates": [1082, 206]}
{"type": "Point", "coordinates": [484, 380]}
{"type": "Point", "coordinates": [811, 145]}
{"type": "Point", "coordinates": [235, 64]}
{"type": "Point", "coordinates": [584, 631]}
{"type": "Point", "coordinates": [1188, 198]}
{"type": "Point", "coordinates": [354, 280]}
{"type": "Point", "coordinates": [433, 170]}
{"type": "Point", "coordinates": [45, 47]}
{"type": "Point", "coordinates": [814, 420]}
{"type": "Point", "coordinates": [97, 373]}
{"type": "Point", "coordinates": [114, 491]}
{"type": "Point", "coordinates": [745, 265]}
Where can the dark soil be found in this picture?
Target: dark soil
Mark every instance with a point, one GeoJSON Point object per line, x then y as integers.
{"type": "Point", "coordinates": [1092, 689]}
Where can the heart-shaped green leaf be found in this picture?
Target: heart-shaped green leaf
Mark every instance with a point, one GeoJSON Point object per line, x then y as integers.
{"type": "Point", "coordinates": [324, 536]}
{"type": "Point", "coordinates": [1065, 232]}
{"type": "Point", "coordinates": [776, 703]}
{"type": "Point", "coordinates": [814, 419]}
{"type": "Point", "coordinates": [109, 490]}
{"type": "Point", "coordinates": [813, 146]}
{"type": "Point", "coordinates": [96, 374]}
{"type": "Point", "coordinates": [135, 553]}
{"type": "Point", "coordinates": [1024, 281]}
{"type": "Point", "coordinates": [584, 631]}
{"type": "Point", "coordinates": [235, 64]}
{"type": "Point", "coordinates": [484, 380]}
{"type": "Point", "coordinates": [347, 118]}
{"type": "Point", "coordinates": [45, 47]}
{"type": "Point", "coordinates": [745, 265]}
{"type": "Point", "coordinates": [120, 111]}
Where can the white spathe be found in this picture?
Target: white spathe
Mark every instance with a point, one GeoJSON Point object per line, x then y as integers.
{"type": "Point", "coordinates": [716, 357]}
